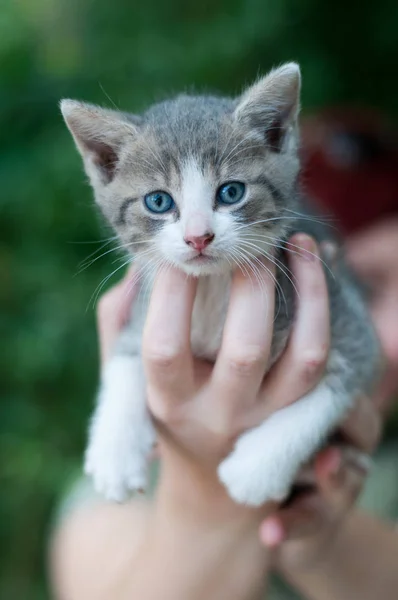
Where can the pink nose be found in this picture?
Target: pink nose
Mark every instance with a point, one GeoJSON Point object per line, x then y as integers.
{"type": "Point", "coordinates": [199, 242]}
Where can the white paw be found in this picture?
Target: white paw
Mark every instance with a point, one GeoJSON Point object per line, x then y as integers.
{"type": "Point", "coordinates": [262, 466]}
{"type": "Point", "coordinates": [266, 460]}
{"type": "Point", "coordinates": [254, 480]}
{"type": "Point", "coordinates": [121, 433]}
{"type": "Point", "coordinates": [118, 466]}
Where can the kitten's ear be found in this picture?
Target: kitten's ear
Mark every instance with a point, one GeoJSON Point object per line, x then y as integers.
{"type": "Point", "coordinates": [99, 135]}
{"type": "Point", "coordinates": [271, 106]}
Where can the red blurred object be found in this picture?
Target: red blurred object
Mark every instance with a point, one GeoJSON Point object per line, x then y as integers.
{"type": "Point", "coordinates": [350, 159]}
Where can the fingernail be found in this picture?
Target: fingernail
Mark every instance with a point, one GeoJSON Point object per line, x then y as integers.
{"type": "Point", "coordinates": [358, 459]}
{"type": "Point", "coordinates": [307, 247]}
{"type": "Point", "coordinates": [365, 462]}
{"type": "Point", "coordinates": [271, 533]}
{"type": "Point", "coordinates": [329, 251]}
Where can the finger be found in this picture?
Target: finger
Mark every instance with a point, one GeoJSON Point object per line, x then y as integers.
{"type": "Point", "coordinates": [362, 427]}
{"type": "Point", "coordinates": [361, 461]}
{"type": "Point", "coordinates": [313, 511]}
{"type": "Point", "coordinates": [272, 531]}
{"type": "Point", "coordinates": [113, 312]}
{"type": "Point", "coordinates": [330, 253]}
{"type": "Point", "coordinates": [247, 337]}
{"type": "Point", "coordinates": [300, 520]}
{"type": "Point", "coordinates": [166, 340]}
{"type": "Point", "coordinates": [302, 364]}
{"type": "Point", "coordinates": [340, 480]}
{"type": "Point", "coordinates": [305, 513]}
{"type": "Point", "coordinates": [340, 475]}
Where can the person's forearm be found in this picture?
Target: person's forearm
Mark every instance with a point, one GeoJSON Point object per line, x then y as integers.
{"type": "Point", "coordinates": [192, 552]}
{"type": "Point", "coordinates": [361, 564]}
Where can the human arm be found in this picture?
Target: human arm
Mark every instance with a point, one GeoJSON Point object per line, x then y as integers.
{"type": "Point", "coordinates": [197, 431]}
{"type": "Point", "coordinates": [191, 540]}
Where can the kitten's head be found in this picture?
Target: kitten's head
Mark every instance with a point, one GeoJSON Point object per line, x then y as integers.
{"type": "Point", "coordinates": [199, 182]}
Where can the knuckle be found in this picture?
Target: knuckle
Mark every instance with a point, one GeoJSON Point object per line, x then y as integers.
{"type": "Point", "coordinates": [161, 358]}
{"type": "Point", "coordinates": [245, 363]}
{"type": "Point", "coordinates": [311, 363]}
{"type": "Point", "coordinates": [165, 412]}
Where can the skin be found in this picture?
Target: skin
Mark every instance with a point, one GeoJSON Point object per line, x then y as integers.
{"type": "Point", "coordinates": [191, 535]}
{"type": "Point", "coordinates": [373, 255]}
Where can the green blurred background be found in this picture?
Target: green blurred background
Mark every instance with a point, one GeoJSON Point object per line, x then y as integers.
{"type": "Point", "coordinates": [132, 52]}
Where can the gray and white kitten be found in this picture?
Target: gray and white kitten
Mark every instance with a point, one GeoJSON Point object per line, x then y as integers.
{"type": "Point", "coordinates": [205, 183]}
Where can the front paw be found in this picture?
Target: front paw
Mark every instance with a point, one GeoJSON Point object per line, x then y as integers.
{"type": "Point", "coordinates": [117, 467]}
{"type": "Point", "coordinates": [121, 433]}
{"type": "Point", "coordinates": [254, 480]}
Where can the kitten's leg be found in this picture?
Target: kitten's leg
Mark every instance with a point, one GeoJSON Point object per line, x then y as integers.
{"type": "Point", "coordinates": [121, 433]}
{"type": "Point", "coordinates": [266, 459]}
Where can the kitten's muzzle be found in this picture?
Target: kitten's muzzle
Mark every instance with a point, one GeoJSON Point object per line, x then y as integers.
{"type": "Point", "coordinates": [199, 242]}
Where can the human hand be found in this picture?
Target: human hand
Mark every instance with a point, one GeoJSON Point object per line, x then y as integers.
{"type": "Point", "coordinates": [373, 255]}
{"type": "Point", "coordinates": [113, 312]}
{"type": "Point", "coordinates": [302, 533]}
{"type": "Point", "coordinates": [200, 409]}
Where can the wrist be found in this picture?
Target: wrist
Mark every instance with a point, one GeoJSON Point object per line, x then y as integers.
{"type": "Point", "coordinates": [203, 541]}
{"type": "Point", "coordinates": [193, 492]}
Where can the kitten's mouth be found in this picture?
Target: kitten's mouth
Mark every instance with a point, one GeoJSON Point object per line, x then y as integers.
{"type": "Point", "coordinates": [200, 259]}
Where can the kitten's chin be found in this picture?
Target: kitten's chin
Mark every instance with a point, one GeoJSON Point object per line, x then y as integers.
{"type": "Point", "coordinates": [199, 268]}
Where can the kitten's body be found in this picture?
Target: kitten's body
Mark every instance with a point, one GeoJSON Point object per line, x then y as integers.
{"type": "Point", "coordinates": [190, 146]}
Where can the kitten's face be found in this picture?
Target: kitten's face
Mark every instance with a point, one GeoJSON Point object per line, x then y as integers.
{"type": "Point", "coordinates": [201, 183]}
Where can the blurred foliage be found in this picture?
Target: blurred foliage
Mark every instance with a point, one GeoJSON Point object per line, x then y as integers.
{"type": "Point", "coordinates": [128, 53]}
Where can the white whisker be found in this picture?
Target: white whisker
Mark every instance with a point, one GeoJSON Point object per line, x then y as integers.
{"type": "Point", "coordinates": [257, 274]}
{"type": "Point", "coordinates": [279, 265]}
{"type": "Point", "coordinates": [241, 256]}
{"type": "Point", "coordinates": [107, 242]}
{"type": "Point", "coordinates": [234, 254]}
{"type": "Point", "coordinates": [99, 287]}
{"type": "Point", "coordinates": [284, 245]}
{"type": "Point", "coordinates": [278, 286]}
{"type": "Point", "coordinates": [233, 160]}
{"type": "Point", "coordinates": [234, 152]}
{"type": "Point", "coordinates": [323, 220]}
{"type": "Point", "coordinates": [85, 264]}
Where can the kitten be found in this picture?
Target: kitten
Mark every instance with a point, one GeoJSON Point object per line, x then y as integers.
{"type": "Point", "coordinates": [204, 183]}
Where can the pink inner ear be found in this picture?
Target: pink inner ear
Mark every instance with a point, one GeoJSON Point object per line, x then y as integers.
{"type": "Point", "coordinates": [104, 157]}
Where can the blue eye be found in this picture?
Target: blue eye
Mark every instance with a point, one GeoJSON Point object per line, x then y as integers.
{"type": "Point", "coordinates": [230, 193]}
{"type": "Point", "coordinates": [159, 202]}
